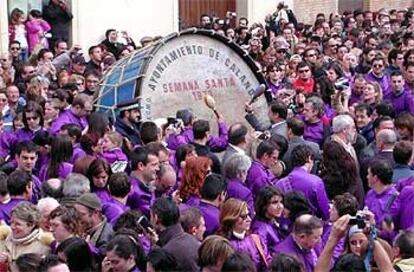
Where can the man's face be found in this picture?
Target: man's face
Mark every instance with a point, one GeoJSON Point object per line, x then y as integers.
{"type": "Point", "coordinates": [134, 116]}
{"type": "Point", "coordinates": [378, 67]}
{"type": "Point", "coordinates": [205, 20]}
{"type": "Point", "coordinates": [149, 171]}
{"type": "Point", "coordinates": [409, 74]}
{"type": "Point", "coordinates": [304, 73]}
{"type": "Point", "coordinates": [33, 120]}
{"type": "Point", "coordinates": [309, 241]}
{"type": "Point", "coordinates": [309, 113]}
{"type": "Point", "coordinates": [61, 47]}
{"type": "Point", "coordinates": [311, 56]}
{"type": "Point", "coordinates": [79, 68]}
{"type": "Point", "coordinates": [369, 16]}
{"type": "Point", "coordinates": [117, 263]}
{"type": "Point", "coordinates": [47, 57]}
{"type": "Point", "coordinates": [96, 54]}
{"type": "Point", "coordinates": [26, 160]}
{"type": "Point", "coordinates": [15, 50]}
{"type": "Point", "coordinates": [270, 160]}
{"type": "Point", "coordinates": [359, 86]}
{"type": "Point", "coordinates": [243, 22]}
{"type": "Point", "coordinates": [12, 93]}
{"type": "Point", "coordinates": [399, 60]}
{"type": "Point", "coordinates": [397, 83]}
{"type": "Point", "coordinates": [199, 231]}
{"type": "Point", "coordinates": [351, 133]}
{"type": "Point", "coordinates": [370, 178]}
{"type": "Point", "coordinates": [85, 217]}
{"type": "Point", "coordinates": [28, 71]}
{"type": "Point", "coordinates": [333, 45]}
{"type": "Point", "coordinates": [113, 36]}
{"type": "Point", "coordinates": [91, 83]}
{"type": "Point", "coordinates": [362, 118]}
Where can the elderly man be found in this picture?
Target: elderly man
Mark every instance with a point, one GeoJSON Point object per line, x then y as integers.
{"type": "Point", "coordinates": [74, 186]}
{"type": "Point", "coordinates": [344, 132]}
{"type": "Point", "coordinates": [238, 141]}
{"type": "Point", "coordinates": [46, 206]}
{"type": "Point", "coordinates": [95, 225]}
{"type": "Point", "coordinates": [315, 130]}
{"type": "Point", "coordinates": [306, 234]}
{"type": "Point", "coordinates": [165, 181]}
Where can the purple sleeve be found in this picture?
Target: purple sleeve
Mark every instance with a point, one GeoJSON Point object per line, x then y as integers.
{"type": "Point", "coordinates": [410, 105]}
{"type": "Point", "coordinates": [323, 201]}
{"type": "Point", "coordinates": [45, 26]}
{"type": "Point", "coordinates": [218, 144]}
{"type": "Point", "coordinates": [174, 141]}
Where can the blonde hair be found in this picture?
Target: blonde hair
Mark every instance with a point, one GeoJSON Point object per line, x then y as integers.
{"type": "Point", "coordinates": [27, 212]}
{"type": "Point", "coordinates": [378, 91]}
{"type": "Point", "coordinates": [214, 249]}
{"type": "Point", "coordinates": [115, 138]}
{"type": "Point", "coordinates": [229, 214]}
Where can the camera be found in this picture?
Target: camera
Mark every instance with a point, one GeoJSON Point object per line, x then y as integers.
{"type": "Point", "coordinates": [359, 220]}
{"type": "Point", "coordinates": [144, 222]}
{"type": "Point", "coordinates": [175, 122]}
{"type": "Point", "coordinates": [342, 84]}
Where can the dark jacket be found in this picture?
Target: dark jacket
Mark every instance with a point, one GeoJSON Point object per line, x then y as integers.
{"type": "Point", "coordinates": [101, 235]}
{"type": "Point", "coordinates": [114, 48]}
{"type": "Point", "coordinates": [204, 150]}
{"type": "Point", "coordinates": [183, 246]}
{"type": "Point", "coordinates": [130, 132]}
{"type": "Point", "coordinates": [59, 19]}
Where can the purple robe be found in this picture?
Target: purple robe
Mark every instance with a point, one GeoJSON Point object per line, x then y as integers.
{"type": "Point", "coordinates": [313, 188]}
{"type": "Point", "coordinates": [113, 155]}
{"type": "Point", "coordinates": [67, 117]}
{"type": "Point", "coordinates": [340, 246]}
{"type": "Point", "coordinates": [406, 216]}
{"type": "Point", "coordinates": [248, 246]}
{"type": "Point", "coordinates": [275, 88]}
{"type": "Point", "coordinates": [113, 209]}
{"type": "Point", "coordinates": [376, 203]}
{"type": "Point", "coordinates": [383, 81]}
{"type": "Point", "coordinates": [314, 132]}
{"type": "Point", "coordinates": [6, 208]}
{"type": "Point", "coordinates": [211, 216]}
{"type": "Point", "coordinates": [192, 201]}
{"type": "Point", "coordinates": [36, 188]}
{"type": "Point", "coordinates": [258, 177]}
{"type": "Point", "coordinates": [268, 233]}
{"type": "Point", "coordinates": [403, 183]}
{"type": "Point", "coordinates": [78, 152]}
{"type": "Point", "coordinates": [65, 169]}
{"type": "Point", "coordinates": [307, 257]}
{"type": "Point", "coordinates": [103, 194]}
{"type": "Point", "coordinates": [403, 101]}
{"type": "Point", "coordinates": [216, 144]}
{"type": "Point", "coordinates": [141, 197]}
{"type": "Point", "coordinates": [239, 190]}
{"type": "Point", "coordinates": [354, 99]}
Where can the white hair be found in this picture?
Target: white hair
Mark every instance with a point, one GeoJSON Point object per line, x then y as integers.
{"type": "Point", "coordinates": [341, 122]}
{"type": "Point", "coordinates": [47, 204]}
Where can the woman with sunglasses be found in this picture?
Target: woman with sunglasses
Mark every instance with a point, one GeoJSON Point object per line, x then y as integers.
{"type": "Point", "coordinates": [275, 77]}
{"type": "Point", "coordinates": [235, 224]}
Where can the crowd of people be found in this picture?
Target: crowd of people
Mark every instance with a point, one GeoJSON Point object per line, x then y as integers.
{"type": "Point", "coordinates": [325, 184]}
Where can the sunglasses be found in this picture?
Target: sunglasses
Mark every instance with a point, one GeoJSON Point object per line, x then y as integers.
{"type": "Point", "coordinates": [244, 216]}
{"type": "Point", "coordinates": [3, 99]}
{"type": "Point", "coordinates": [32, 118]}
{"type": "Point", "coordinates": [14, 48]}
{"type": "Point", "coordinates": [281, 51]}
{"type": "Point", "coordinates": [378, 65]}
{"type": "Point", "coordinates": [311, 55]}
{"type": "Point", "coordinates": [303, 71]}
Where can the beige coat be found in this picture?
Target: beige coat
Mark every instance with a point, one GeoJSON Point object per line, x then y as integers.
{"type": "Point", "coordinates": [36, 242]}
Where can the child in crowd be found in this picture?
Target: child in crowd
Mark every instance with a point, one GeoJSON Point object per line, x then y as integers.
{"type": "Point", "coordinates": [112, 152]}
{"type": "Point", "coordinates": [37, 29]}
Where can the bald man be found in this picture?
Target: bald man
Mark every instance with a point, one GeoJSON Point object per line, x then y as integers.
{"type": "Point", "coordinates": [165, 181]}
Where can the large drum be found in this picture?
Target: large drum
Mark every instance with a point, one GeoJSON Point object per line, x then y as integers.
{"type": "Point", "coordinates": [177, 71]}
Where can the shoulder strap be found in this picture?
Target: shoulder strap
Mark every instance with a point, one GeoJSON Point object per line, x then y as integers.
{"type": "Point", "coordinates": [397, 268]}
{"type": "Point", "coordinates": [258, 244]}
{"type": "Point", "coordinates": [390, 201]}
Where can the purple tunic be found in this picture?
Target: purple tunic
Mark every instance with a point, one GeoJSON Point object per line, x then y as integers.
{"type": "Point", "coordinates": [383, 81]}
{"type": "Point", "coordinates": [140, 197]}
{"type": "Point", "coordinates": [192, 201]}
{"type": "Point", "coordinates": [313, 188]}
{"type": "Point", "coordinates": [377, 203]}
{"type": "Point", "coordinates": [67, 117]}
{"type": "Point", "coordinates": [403, 183]}
{"type": "Point", "coordinates": [113, 209]}
{"type": "Point", "coordinates": [239, 190]}
{"type": "Point", "coordinates": [113, 155]}
{"type": "Point", "coordinates": [248, 246]}
{"type": "Point", "coordinates": [37, 188]}
{"type": "Point", "coordinates": [102, 194]}
{"type": "Point", "coordinates": [314, 132]}
{"type": "Point", "coordinates": [77, 153]}
{"type": "Point", "coordinates": [307, 257]}
{"type": "Point", "coordinates": [402, 102]}
{"type": "Point", "coordinates": [268, 232]}
{"type": "Point", "coordinates": [6, 208]}
{"type": "Point", "coordinates": [211, 216]}
{"type": "Point", "coordinates": [258, 177]}
{"type": "Point", "coordinates": [216, 144]}
{"type": "Point", "coordinates": [406, 216]}
{"type": "Point", "coordinates": [65, 169]}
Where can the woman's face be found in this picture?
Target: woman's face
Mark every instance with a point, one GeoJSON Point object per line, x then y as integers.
{"type": "Point", "coordinates": [50, 112]}
{"type": "Point", "coordinates": [243, 222]}
{"type": "Point", "coordinates": [332, 76]}
{"type": "Point", "coordinates": [107, 144]}
{"type": "Point", "coordinates": [275, 74]}
{"type": "Point", "coordinates": [356, 241]}
{"type": "Point", "coordinates": [59, 230]}
{"type": "Point", "coordinates": [369, 93]}
{"type": "Point", "coordinates": [20, 228]}
{"type": "Point", "coordinates": [100, 180]}
{"type": "Point", "coordinates": [119, 264]}
{"type": "Point", "coordinates": [275, 207]}
{"type": "Point", "coordinates": [18, 123]}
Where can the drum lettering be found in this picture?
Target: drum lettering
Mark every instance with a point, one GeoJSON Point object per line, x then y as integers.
{"type": "Point", "coordinates": [213, 54]}
{"type": "Point", "coordinates": [177, 87]}
{"type": "Point", "coordinates": [200, 50]}
{"type": "Point", "coordinates": [156, 74]}
{"type": "Point", "coordinates": [159, 68]}
{"type": "Point", "coordinates": [247, 85]}
{"type": "Point", "coordinates": [251, 91]}
{"type": "Point", "coordinates": [189, 50]}
{"type": "Point", "coordinates": [227, 62]}
{"type": "Point", "coordinates": [163, 63]}
{"type": "Point", "coordinates": [164, 87]}
{"type": "Point", "coordinates": [152, 87]}
{"type": "Point", "coordinates": [168, 60]}
{"type": "Point", "coordinates": [173, 55]}
{"type": "Point", "coordinates": [182, 50]}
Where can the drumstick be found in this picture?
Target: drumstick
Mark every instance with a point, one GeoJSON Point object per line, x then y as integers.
{"type": "Point", "coordinates": [211, 103]}
{"type": "Point", "coordinates": [257, 93]}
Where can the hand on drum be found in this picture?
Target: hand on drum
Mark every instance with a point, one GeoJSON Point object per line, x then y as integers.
{"type": "Point", "coordinates": [248, 108]}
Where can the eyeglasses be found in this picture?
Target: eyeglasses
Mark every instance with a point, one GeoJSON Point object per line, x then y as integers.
{"type": "Point", "coordinates": [3, 99]}
{"type": "Point", "coordinates": [311, 55]}
{"type": "Point", "coordinates": [244, 216]}
{"type": "Point", "coordinates": [14, 48]}
{"type": "Point", "coordinates": [303, 71]}
{"type": "Point", "coordinates": [32, 118]}
{"type": "Point", "coordinates": [378, 65]}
